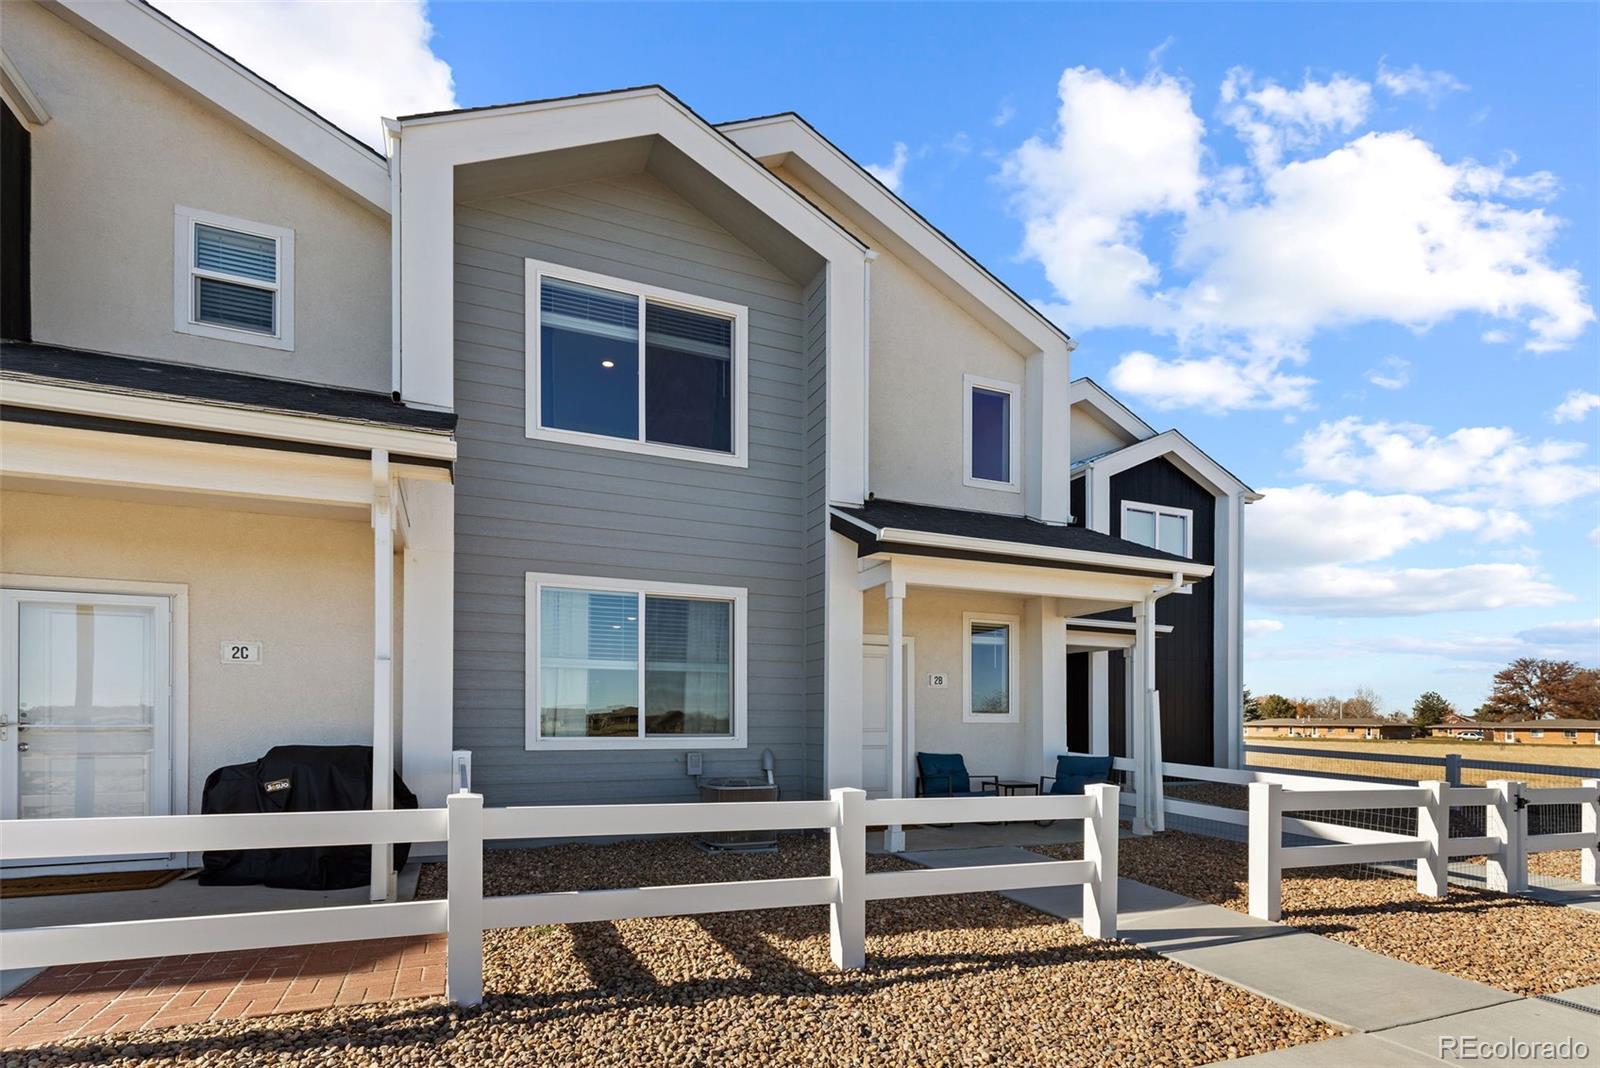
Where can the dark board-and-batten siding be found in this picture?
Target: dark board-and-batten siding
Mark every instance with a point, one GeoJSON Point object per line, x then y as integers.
{"type": "Point", "coordinates": [524, 505]}
{"type": "Point", "coordinates": [1185, 665]}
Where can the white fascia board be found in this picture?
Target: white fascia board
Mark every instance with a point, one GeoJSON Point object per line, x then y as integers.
{"type": "Point", "coordinates": [14, 90]}
{"type": "Point", "coordinates": [160, 45]}
{"type": "Point", "coordinates": [1183, 453]}
{"type": "Point", "coordinates": [787, 136]}
{"type": "Point", "coordinates": [897, 536]}
{"type": "Point", "coordinates": [229, 420]}
{"type": "Point", "coordinates": [1088, 391]}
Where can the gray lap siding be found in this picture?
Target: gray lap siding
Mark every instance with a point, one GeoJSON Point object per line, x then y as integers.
{"type": "Point", "coordinates": [525, 505]}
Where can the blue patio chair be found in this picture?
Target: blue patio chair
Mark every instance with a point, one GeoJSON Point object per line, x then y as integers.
{"type": "Point", "coordinates": [1074, 771]}
{"type": "Point", "coordinates": [946, 775]}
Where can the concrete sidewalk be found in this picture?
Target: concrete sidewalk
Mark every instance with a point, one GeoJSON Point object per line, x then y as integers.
{"type": "Point", "coordinates": [1401, 1011]}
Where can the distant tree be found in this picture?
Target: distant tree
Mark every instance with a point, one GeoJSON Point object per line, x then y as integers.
{"type": "Point", "coordinates": [1366, 704]}
{"type": "Point", "coordinates": [1326, 708]}
{"type": "Point", "coordinates": [1276, 706]}
{"type": "Point", "coordinates": [1530, 688]}
{"type": "Point", "coordinates": [1430, 709]}
{"type": "Point", "coordinates": [1252, 706]}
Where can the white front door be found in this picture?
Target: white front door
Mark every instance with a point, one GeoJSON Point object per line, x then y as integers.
{"type": "Point", "coordinates": [875, 766]}
{"type": "Point", "coordinates": [86, 709]}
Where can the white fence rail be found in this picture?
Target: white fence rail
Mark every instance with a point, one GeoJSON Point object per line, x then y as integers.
{"type": "Point", "coordinates": [1507, 843]}
{"type": "Point", "coordinates": [465, 825]}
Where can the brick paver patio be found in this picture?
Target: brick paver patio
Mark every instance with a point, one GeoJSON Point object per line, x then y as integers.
{"type": "Point", "coordinates": [131, 995]}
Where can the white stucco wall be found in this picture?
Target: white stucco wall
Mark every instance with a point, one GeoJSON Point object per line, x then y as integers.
{"type": "Point", "coordinates": [934, 618]}
{"type": "Point", "coordinates": [122, 149]}
{"type": "Point", "coordinates": [300, 586]}
{"type": "Point", "coordinates": [922, 347]}
{"type": "Point", "coordinates": [1093, 436]}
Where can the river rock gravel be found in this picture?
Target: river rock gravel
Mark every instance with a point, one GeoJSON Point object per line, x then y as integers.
{"type": "Point", "coordinates": [963, 980]}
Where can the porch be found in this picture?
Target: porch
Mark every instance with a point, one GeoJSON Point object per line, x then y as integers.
{"type": "Point", "coordinates": [201, 565]}
{"type": "Point", "coordinates": [966, 625]}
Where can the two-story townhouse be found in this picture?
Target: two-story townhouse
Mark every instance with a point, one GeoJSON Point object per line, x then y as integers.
{"type": "Point", "coordinates": [754, 467]}
{"type": "Point", "coordinates": [221, 530]}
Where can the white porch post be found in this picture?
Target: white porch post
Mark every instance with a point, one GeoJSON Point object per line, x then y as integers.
{"type": "Point", "coordinates": [382, 888]}
{"type": "Point", "coordinates": [894, 837]}
{"type": "Point", "coordinates": [1143, 728]}
{"type": "Point", "coordinates": [1133, 722]}
{"type": "Point", "coordinates": [1044, 666]}
{"type": "Point", "coordinates": [427, 641]}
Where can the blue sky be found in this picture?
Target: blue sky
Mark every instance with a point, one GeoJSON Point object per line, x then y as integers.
{"type": "Point", "coordinates": [1348, 249]}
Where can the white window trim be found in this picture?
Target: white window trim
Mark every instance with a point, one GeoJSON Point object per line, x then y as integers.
{"type": "Point", "coordinates": [184, 273]}
{"type": "Point", "coordinates": [738, 595]}
{"type": "Point", "coordinates": [739, 457]}
{"type": "Point", "coordinates": [1187, 514]}
{"type": "Point", "coordinates": [1013, 446]}
{"type": "Point", "coordinates": [1013, 669]}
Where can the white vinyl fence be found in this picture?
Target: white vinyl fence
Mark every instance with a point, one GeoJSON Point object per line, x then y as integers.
{"type": "Point", "coordinates": [465, 825]}
{"type": "Point", "coordinates": [1507, 843]}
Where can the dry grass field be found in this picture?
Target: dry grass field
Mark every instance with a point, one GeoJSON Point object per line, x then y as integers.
{"type": "Point", "coordinates": [1578, 757]}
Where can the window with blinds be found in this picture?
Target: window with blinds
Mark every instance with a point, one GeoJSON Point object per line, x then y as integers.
{"type": "Point", "coordinates": [233, 281]}
{"type": "Point", "coordinates": [636, 365]}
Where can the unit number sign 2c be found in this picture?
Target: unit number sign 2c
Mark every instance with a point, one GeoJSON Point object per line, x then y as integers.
{"type": "Point", "coordinates": [235, 652]}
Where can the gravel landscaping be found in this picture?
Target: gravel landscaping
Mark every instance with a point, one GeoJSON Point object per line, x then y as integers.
{"type": "Point", "coordinates": [975, 979]}
{"type": "Point", "coordinates": [1513, 943]}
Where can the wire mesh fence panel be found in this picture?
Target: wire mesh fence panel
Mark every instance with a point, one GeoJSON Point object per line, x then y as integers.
{"type": "Point", "coordinates": [1214, 809]}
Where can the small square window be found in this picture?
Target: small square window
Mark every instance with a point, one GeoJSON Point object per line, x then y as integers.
{"type": "Point", "coordinates": [993, 438]}
{"type": "Point", "coordinates": [1159, 526]}
{"type": "Point", "coordinates": [232, 279]}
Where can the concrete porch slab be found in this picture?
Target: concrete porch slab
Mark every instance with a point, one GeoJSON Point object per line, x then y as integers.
{"type": "Point", "coordinates": [1529, 1021]}
{"type": "Point", "coordinates": [1367, 1051]}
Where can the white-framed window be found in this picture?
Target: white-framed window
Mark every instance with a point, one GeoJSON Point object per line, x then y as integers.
{"type": "Point", "coordinates": [1537, 732]}
{"type": "Point", "coordinates": [1159, 526]}
{"type": "Point", "coordinates": [623, 664]}
{"type": "Point", "coordinates": [233, 280]}
{"type": "Point", "coordinates": [614, 364]}
{"type": "Point", "coordinates": [990, 693]}
{"type": "Point", "coordinates": [992, 433]}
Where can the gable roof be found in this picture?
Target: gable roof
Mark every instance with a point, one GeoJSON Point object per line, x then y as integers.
{"type": "Point", "coordinates": [901, 228]}
{"type": "Point", "coordinates": [155, 42]}
{"type": "Point", "coordinates": [1088, 391]}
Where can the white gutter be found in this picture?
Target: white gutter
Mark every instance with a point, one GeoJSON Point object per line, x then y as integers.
{"type": "Point", "coordinates": [1038, 552]}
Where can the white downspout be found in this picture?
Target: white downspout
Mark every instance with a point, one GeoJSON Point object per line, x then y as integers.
{"type": "Point", "coordinates": [1151, 791]}
{"type": "Point", "coordinates": [396, 379]}
{"type": "Point", "coordinates": [866, 372]}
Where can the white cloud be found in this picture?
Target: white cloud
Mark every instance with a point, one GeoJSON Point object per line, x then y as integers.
{"type": "Point", "coordinates": [1574, 640]}
{"type": "Point", "coordinates": [1255, 261]}
{"type": "Point", "coordinates": [1496, 337]}
{"type": "Point", "coordinates": [1257, 628]}
{"type": "Point", "coordinates": [1218, 383]}
{"type": "Point", "coordinates": [1306, 526]}
{"type": "Point", "coordinates": [1392, 373]}
{"type": "Point", "coordinates": [1473, 464]}
{"type": "Point", "coordinates": [1431, 84]}
{"type": "Point", "coordinates": [1594, 536]}
{"type": "Point", "coordinates": [1004, 114]}
{"type": "Point", "coordinates": [1335, 590]}
{"type": "Point", "coordinates": [892, 173]}
{"type": "Point", "coordinates": [1273, 120]}
{"type": "Point", "coordinates": [353, 62]}
{"type": "Point", "coordinates": [1576, 406]}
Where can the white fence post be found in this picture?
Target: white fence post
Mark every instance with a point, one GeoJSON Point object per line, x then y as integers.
{"type": "Point", "coordinates": [1433, 827]}
{"type": "Point", "coordinates": [1507, 822]}
{"type": "Point", "coordinates": [1100, 847]}
{"type": "Point", "coordinates": [1266, 845]}
{"type": "Point", "coordinates": [847, 863]}
{"type": "Point", "coordinates": [1589, 823]}
{"type": "Point", "coordinates": [464, 878]}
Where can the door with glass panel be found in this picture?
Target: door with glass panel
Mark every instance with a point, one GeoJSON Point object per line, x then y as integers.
{"type": "Point", "coordinates": [85, 721]}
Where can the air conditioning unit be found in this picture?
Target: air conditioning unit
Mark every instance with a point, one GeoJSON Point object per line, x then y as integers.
{"type": "Point", "coordinates": [714, 791]}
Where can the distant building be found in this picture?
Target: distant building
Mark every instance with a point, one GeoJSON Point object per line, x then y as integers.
{"type": "Point", "coordinates": [1328, 728]}
{"type": "Point", "coordinates": [1547, 731]}
{"type": "Point", "coordinates": [1456, 725]}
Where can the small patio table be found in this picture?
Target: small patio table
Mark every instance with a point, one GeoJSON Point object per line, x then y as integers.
{"type": "Point", "coordinates": [1012, 787]}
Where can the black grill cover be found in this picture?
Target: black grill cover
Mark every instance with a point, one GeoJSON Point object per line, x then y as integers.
{"type": "Point", "coordinates": [298, 778]}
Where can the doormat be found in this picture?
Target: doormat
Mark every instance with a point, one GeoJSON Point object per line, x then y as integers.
{"type": "Point", "coordinates": [90, 883]}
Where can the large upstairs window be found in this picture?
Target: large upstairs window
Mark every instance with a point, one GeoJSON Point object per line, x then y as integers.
{"type": "Point", "coordinates": [992, 433]}
{"type": "Point", "coordinates": [1159, 526]}
{"type": "Point", "coordinates": [621, 365]}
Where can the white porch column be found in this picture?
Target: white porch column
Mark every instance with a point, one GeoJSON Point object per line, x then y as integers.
{"type": "Point", "coordinates": [1100, 702]}
{"type": "Point", "coordinates": [894, 837]}
{"type": "Point", "coordinates": [382, 888]}
{"type": "Point", "coordinates": [427, 640]}
{"type": "Point", "coordinates": [1044, 672]}
{"type": "Point", "coordinates": [841, 726]}
{"type": "Point", "coordinates": [1145, 709]}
